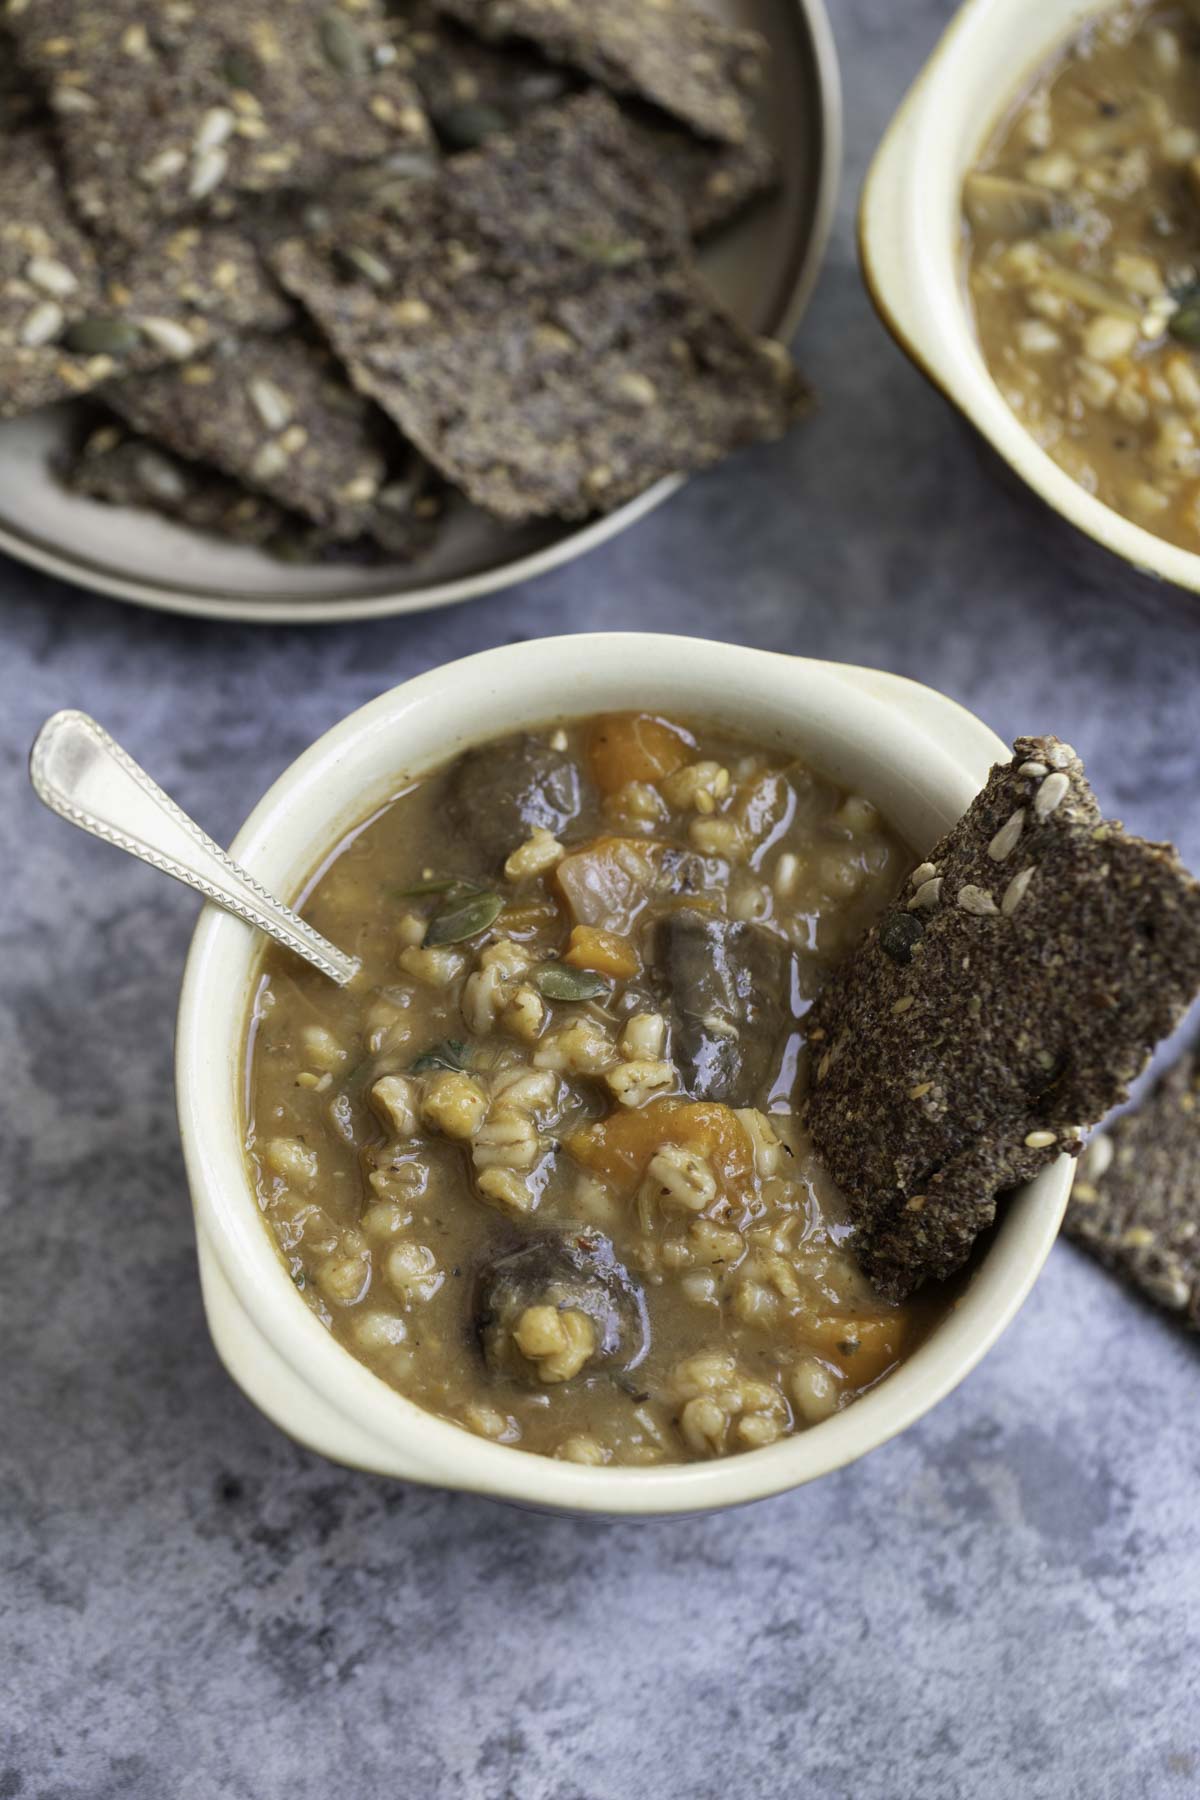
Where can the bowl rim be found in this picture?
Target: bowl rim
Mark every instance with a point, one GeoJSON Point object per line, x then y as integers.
{"type": "Point", "coordinates": [220, 975]}
{"type": "Point", "coordinates": [249, 608]}
{"type": "Point", "coordinates": [910, 159]}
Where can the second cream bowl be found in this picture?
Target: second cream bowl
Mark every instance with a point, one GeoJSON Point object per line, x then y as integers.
{"type": "Point", "coordinates": [911, 243]}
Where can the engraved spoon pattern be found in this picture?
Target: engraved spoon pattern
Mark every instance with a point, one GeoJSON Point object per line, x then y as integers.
{"type": "Point", "coordinates": [84, 776]}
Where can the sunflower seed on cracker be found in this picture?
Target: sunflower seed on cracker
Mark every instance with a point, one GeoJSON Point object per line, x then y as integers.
{"type": "Point", "coordinates": [1029, 1018]}
{"type": "Point", "coordinates": [185, 110]}
{"type": "Point", "coordinates": [544, 339]}
{"type": "Point", "coordinates": [1136, 1200]}
{"type": "Point", "coordinates": [672, 53]}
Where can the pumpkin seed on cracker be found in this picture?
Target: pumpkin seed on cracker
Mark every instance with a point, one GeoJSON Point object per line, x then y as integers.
{"type": "Point", "coordinates": [1136, 1200]}
{"type": "Point", "coordinates": [536, 326]}
{"type": "Point", "coordinates": [1044, 952]}
{"type": "Point", "coordinates": [277, 414]}
{"type": "Point", "coordinates": [181, 110]}
{"type": "Point", "coordinates": [672, 53]}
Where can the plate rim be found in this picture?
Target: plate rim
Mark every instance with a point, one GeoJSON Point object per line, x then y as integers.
{"type": "Point", "coordinates": [248, 608]}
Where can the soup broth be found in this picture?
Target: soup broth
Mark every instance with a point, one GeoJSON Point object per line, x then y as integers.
{"type": "Point", "coordinates": [540, 1165]}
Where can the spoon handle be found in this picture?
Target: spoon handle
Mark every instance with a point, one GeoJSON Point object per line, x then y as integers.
{"type": "Point", "coordinates": [79, 772]}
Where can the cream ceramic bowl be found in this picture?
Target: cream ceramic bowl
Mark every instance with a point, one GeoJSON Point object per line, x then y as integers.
{"type": "Point", "coordinates": [911, 245]}
{"type": "Point", "coordinates": [918, 755]}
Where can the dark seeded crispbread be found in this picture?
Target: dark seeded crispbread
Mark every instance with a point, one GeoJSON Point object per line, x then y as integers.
{"type": "Point", "coordinates": [473, 88]}
{"type": "Point", "coordinates": [212, 278]}
{"type": "Point", "coordinates": [163, 303]}
{"type": "Point", "coordinates": [713, 182]}
{"type": "Point", "coordinates": [469, 86]}
{"type": "Point", "coordinates": [994, 1011]}
{"type": "Point", "coordinates": [277, 414]}
{"type": "Point", "coordinates": [1136, 1199]}
{"type": "Point", "coordinates": [671, 52]}
{"type": "Point", "coordinates": [533, 322]}
{"type": "Point", "coordinates": [166, 111]}
{"type": "Point", "coordinates": [122, 468]}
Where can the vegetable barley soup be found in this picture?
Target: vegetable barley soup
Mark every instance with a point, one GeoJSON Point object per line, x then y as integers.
{"type": "Point", "coordinates": [1083, 224]}
{"type": "Point", "coordinates": [538, 1166]}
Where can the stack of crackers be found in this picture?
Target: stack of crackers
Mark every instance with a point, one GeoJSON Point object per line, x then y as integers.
{"type": "Point", "coordinates": [318, 266]}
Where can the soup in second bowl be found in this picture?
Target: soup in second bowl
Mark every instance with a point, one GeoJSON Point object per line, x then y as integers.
{"type": "Point", "coordinates": [539, 1166]}
{"type": "Point", "coordinates": [1083, 224]}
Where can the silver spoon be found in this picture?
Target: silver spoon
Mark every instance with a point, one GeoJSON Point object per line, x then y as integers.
{"type": "Point", "coordinates": [83, 775]}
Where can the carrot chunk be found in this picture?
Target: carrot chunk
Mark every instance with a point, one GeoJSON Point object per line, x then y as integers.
{"type": "Point", "coordinates": [607, 952]}
{"type": "Point", "coordinates": [863, 1348]}
{"type": "Point", "coordinates": [620, 1148]}
{"type": "Point", "coordinates": [625, 747]}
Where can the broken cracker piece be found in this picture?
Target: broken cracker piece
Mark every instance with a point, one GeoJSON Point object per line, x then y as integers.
{"type": "Point", "coordinates": [672, 52]}
{"type": "Point", "coordinates": [123, 468]}
{"type": "Point", "coordinates": [179, 109]}
{"type": "Point", "coordinates": [1136, 1200]}
{"type": "Point", "coordinates": [69, 323]}
{"type": "Point", "coordinates": [277, 414]}
{"type": "Point", "coordinates": [474, 88]}
{"type": "Point", "coordinates": [999, 1007]}
{"type": "Point", "coordinates": [532, 321]}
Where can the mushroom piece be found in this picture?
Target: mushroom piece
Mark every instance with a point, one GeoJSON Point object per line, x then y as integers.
{"type": "Point", "coordinates": [1011, 208]}
{"type": "Point", "coordinates": [498, 794]}
{"type": "Point", "coordinates": [726, 984]}
{"type": "Point", "coordinates": [570, 1273]}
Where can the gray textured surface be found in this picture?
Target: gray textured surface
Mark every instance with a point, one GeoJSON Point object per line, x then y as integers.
{"type": "Point", "coordinates": [1002, 1603]}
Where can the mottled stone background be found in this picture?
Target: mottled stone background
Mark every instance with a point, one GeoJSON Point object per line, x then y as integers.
{"type": "Point", "coordinates": [1002, 1603]}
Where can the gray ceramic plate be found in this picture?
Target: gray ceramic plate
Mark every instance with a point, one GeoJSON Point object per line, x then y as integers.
{"type": "Point", "coordinates": [763, 268]}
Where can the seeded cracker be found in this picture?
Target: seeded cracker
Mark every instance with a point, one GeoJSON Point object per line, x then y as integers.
{"type": "Point", "coordinates": [165, 111]}
{"type": "Point", "coordinates": [1136, 1199]}
{"type": "Point", "coordinates": [473, 89]}
{"type": "Point", "coordinates": [277, 414]}
{"type": "Point", "coordinates": [67, 325]}
{"type": "Point", "coordinates": [533, 323]}
{"type": "Point", "coordinates": [125, 470]}
{"type": "Point", "coordinates": [671, 53]}
{"type": "Point", "coordinates": [713, 182]}
{"type": "Point", "coordinates": [1004, 1002]}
